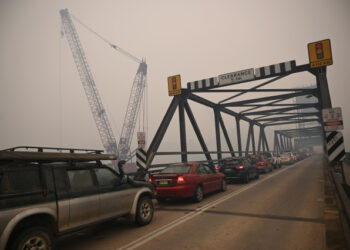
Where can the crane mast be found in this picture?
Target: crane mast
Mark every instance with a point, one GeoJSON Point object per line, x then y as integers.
{"type": "Point", "coordinates": [94, 99]}
{"type": "Point", "coordinates": [132, 110]}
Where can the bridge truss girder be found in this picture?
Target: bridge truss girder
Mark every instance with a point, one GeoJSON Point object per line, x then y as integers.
{"type": "Point", "coordinates": [277, 114]}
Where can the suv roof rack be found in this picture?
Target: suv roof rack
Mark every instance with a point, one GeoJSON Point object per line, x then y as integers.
{"type": "Point", "coordinates": [53, 154]}
{"type": "Point", "coordinates": [41, 149]}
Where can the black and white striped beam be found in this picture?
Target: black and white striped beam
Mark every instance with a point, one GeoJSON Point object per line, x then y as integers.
{"type": "Point", "coordinates": [141, 158]}
{"type": "Point", "coordinates": [203, 84]}
{"type": "Point", "coordinates": [276, 69]}
{"type": "Point", "coordinates": [335, 146]}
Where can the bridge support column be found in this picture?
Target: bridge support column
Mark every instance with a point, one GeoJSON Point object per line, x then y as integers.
{"type": "Point", "coordinates": [217, 133]}
{"type": "Point", "coordinates": [265, 140]}
{"type": "Point", "coordinates": [259, 141]}
{"type": "Point", "coordinates": [182, 132]}
{"type": "Point", "coordinates": [224, 131]}
{"type": "Point", "coordinates": [161, 130]}
{"type": "Point", "coordinates": [239, 141]}
{"type": "Point", "coordinates": [197, 131]}
{"type": "Point", "coordinates": [253, 139]}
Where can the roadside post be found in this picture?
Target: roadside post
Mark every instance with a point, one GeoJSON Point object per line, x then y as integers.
{"type": "Point", "coordinates": [332, 123]}
{"type": "Point", "coordinates": [320, 56]}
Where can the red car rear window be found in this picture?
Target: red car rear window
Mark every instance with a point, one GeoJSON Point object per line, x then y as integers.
{"type": "Point", "coordinates": [181, 169]}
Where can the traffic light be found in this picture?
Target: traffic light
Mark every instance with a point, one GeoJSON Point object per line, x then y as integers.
{"type": "Point", "coordinates": [174, 82]}
{"type": "Point", "coordinates": [319, 50]}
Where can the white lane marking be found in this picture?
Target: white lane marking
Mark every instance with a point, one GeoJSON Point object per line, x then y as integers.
{"type": "Point", "coordinates": [147, 237]}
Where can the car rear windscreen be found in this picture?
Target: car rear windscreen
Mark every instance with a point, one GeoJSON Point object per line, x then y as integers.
{"type": "Point", "coordinates": [183, 169]}
{"type": "Point", "coordinates": [253, 159]}
{"type": "Point", "coordinates": [233, 162]}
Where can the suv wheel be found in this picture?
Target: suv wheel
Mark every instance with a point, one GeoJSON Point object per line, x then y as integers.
{"type": "Point", "coordinates": [198, 194]}
{"type": "Point", "coordinates": [144, 213]}
{"type": "Point", "coordinates": [34, 238]}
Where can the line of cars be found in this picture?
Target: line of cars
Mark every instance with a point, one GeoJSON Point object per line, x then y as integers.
{"type": "Point", "coordinates": [194, 180]}
{"type": "Point", "coordinates": [45, 194]}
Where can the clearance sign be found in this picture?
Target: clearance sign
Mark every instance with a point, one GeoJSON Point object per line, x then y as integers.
{"type": "Point", "coordinates": [320, 53]}
{"type": "Point", "coordinates": [174, 85]}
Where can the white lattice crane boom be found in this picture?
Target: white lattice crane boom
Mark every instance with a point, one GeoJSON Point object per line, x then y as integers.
{"type": "Point", "coordinates": [135, 98]}
{"type": "Point", "coordinates": [94, 99]}
{"type": "Point", "coordinates": [132, 110]}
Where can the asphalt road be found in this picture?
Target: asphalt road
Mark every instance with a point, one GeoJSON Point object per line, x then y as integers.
{"type": "Point", "coordinates": [282, 210]}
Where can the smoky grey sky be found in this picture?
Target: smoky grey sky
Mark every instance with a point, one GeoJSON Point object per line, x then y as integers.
{"type": "Point", "coordinates": [42, 100]}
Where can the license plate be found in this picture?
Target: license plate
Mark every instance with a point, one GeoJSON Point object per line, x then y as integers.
{"type": "Point", "coordinates": [163, 182]}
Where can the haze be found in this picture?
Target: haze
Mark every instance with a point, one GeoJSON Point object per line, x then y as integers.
{"type": "Point", "coordinates": [43, 102]}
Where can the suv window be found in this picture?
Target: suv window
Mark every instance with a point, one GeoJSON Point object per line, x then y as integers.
{"type": "Point", "coordinates": [106, 177]}
{"type": "Point", "coordinates": [80, 180]}
{"type": "Point", "coordinates": [20, 180]}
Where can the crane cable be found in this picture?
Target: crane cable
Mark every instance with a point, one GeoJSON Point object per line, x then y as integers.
{"type": "Point", "coordinates": [106, 41]}
{"type": "Point", "coordinates": [60, 85]}
{"type": "Point", "coordinates": [91, 30]}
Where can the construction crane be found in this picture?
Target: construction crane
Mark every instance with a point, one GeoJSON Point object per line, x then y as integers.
{"type": "Point", "coordinates": [132, 110]}
{"type": "Point", "coordinates": [139, 84]}
{"type": "Point", "coordinates": [94, 99]}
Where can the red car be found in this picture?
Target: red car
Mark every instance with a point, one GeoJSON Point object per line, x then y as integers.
{"type": "Point", "coordinates": [187, 180]}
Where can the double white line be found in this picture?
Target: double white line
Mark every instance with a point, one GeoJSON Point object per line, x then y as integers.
{"type": "Point", "coordinates": [151, 235]}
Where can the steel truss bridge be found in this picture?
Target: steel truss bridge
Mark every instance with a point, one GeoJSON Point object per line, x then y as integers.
{"type": "Point", "coordinates": [263, 112]}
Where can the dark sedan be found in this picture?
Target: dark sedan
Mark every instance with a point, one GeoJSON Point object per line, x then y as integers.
{"type": "Point", "coordinates": [239, 169]}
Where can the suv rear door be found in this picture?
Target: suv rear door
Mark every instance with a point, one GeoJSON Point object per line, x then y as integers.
{"type": "Point", "coordinates": [84, 197]}
{"type": "Point", "coordinates": [116, 198]}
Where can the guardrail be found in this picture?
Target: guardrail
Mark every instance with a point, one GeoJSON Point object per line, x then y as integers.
{"type": "Point", "coordinates": [342, 189]}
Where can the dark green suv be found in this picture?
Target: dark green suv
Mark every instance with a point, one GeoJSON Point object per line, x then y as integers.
{"type": "Point", "coordinates": [45, 192]}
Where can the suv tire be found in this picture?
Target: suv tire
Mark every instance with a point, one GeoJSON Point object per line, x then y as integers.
{"type": "Point", "coordinates": [144, 212]}
{"type": "Point", "coordinates": [33, 238]}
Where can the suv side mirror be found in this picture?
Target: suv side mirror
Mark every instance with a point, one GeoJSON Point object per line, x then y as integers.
{"type": "Point", "coordinates": [120, 167]}
{"type": "Point", "coordinates": [121, 163]}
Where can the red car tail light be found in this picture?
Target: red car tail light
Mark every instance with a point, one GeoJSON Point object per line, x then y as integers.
{"type": "Point", "coordinates": [180, 179]}
{"type": "Point", "coordinates": [260, 163]}
{"type": "Point", "coordinates": [150, 179]}
{"type": "Point", "coordinates": [239, 167]}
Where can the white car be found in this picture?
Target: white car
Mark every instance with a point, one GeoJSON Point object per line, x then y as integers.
{"type": "Point", "coordinates": [274, 159]}
{"type": "Point", "coordinates": [287, 158]}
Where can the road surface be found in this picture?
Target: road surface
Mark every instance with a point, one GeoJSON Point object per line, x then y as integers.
{"type": "Point", "coordinates": [282, 210]}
